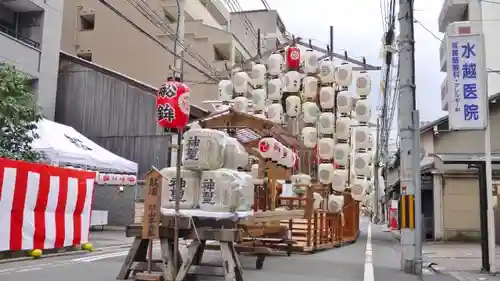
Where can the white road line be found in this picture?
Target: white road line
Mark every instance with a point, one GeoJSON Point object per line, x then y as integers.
{"type": "Point", "coordinates": [29, 269]}
{"type": "Point", "coordinates": [100, 257]}
{"type": "Point", "coordinates": [369, 257]}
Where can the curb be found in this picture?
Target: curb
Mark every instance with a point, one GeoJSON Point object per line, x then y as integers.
{"type": "Point", "coordinates": [62, 254]}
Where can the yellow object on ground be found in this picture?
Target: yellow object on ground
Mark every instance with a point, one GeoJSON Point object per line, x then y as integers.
{"type": "Point", "coordinates": [88, 247]}
{"type": "Point", "coordinates": [36, 253]}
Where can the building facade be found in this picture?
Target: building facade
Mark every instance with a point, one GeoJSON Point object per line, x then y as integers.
{"type": "Point", "coordinates": [451, 191]}
{"type": "Point", "coordinates": [466, 14]}
{"type": "Point", "coordinates": [272, 28]}
{"type": "Point", "coordinates": [30, 35]}
{"type": "Point", "coordinates": [135, 43]}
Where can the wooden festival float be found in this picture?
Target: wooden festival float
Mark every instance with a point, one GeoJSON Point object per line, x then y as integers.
{"type": "Point", "coordinates": [309, 138]}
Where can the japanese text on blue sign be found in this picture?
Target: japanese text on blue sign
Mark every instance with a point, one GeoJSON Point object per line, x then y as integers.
{"type": "Point", "coordinates": [464, 64]}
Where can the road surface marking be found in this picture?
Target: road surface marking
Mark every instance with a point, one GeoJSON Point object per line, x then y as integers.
{"type": "Point", "coordinates": [29, 269]}
{"type": "Point", "coordinates": [368, 257]}
{"type": "Point", "coordinates": [100, 257]}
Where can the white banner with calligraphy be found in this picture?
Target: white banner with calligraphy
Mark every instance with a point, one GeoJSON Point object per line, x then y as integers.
{"type": "Point", "coordinates": [466, 82]}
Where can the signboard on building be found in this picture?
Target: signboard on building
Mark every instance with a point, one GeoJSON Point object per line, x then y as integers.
{"type": "Point", "coordinates": [152, 205]}
{"type": "Point", "coordinates": [467, 87]}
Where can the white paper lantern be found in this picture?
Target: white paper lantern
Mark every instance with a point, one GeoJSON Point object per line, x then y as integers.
{"type": "Point", "coordinates": [275, 64]}
{"type": "Point", "coordinates": [289, 160]}
{"type": "Point", "coordinates": [327, 97]}
{"type": "Point", "coordinates": [344, 102]}
{"type": "Point", "coordinates": [240, 104]}
{"type": "Point", "coordinates": [358, 189]}
{"type": "Point", "coordinates": [310, 87]}
{"type": "Point", "coordinates": [363, 84]}
{"type": "Point", "coordinates": [362, 137]}
{"type": "Point", "coordinates": [325, 173]}
{"type": "Point", "coordinates": [293, 81]}
{"type": "Point", "coordinates": [259, 99]}
{"type": "Point", "coordinates": [276, 151]}
{"type": "Point", "coordinates": [100, 178]}
{"type": "Point", "coordinates": [326, 123]}
{"type": "Point", "coordinates": [310, 62]}
{"type": "Point", "coordinates": [326, 148]}
{"type": "Point", "coordinates": [275, 89]}
{"type": "Point", "coordinates": [293, 104]}
{"type": "Point", "coordinates": [285, 155]}
{"type": "Point", "coordinates": [363, 164]}
{"type": "Point", "coordinates": [258, 74]}
{"type": "Point", "coordinates": [310, 111]}
{"type": "Point", "coordinates": [225, 90]}
{"type": "Point", "coordinates": [106, 178]}
{"type": "Point", "coordinates": [309, 137]}
{"type": "Point", "coordinates": [131, 180]}
{"type": "Point", "coordinates": [343, 128]}
{"type": "Point", "coordinates": [335, 203]}
{"type": "Point", "coordinates": [265, 147]}
{"type": "Point", "coordinates": [343, 75]}
{"type": "Point", "coordinates": [301, 179]}
{"type": "Point", "coordinates": [326, 72]}
{"type": "Point", "coordinates": [240, 82]}
{"type": "Point", "coordinates": [275, 113]}
{"type": "Point", "coordinates": [341, 154]}
{"type": "Point", "coordinates": [362, 111]}
{"type": "Point", "coordinates": [339, 180]}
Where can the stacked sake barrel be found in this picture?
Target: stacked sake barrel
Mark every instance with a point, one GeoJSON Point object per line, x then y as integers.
{"type": "Point", "coordinates": [209, 177]}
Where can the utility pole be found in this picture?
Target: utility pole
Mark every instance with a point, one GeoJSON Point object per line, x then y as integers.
{"type": "Point", "coordinates": [409, 131]}
{"type": "Point", "coordinates": [476, 15]}
{"type": "Point", "coordinates": [179, 76]}
{"type": "Point", "coordinates": [383, 125]}
{"type": "Point", "coordinates": [376, 182]}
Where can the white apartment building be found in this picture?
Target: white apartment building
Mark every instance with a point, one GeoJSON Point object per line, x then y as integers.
{"type": "Point", "coordinates": [30, 37]}
{"type": "Point", "coordinates": [467, 11]}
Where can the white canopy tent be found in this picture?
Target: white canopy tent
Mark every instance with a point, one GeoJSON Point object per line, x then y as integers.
{"type": "Point", "coordinates": [64, 145]}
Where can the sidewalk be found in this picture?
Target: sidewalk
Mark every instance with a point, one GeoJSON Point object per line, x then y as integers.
{"type": "Point", "coordinates": [459, 260]}
{"type": "Point", "coordinates": [109, 237]}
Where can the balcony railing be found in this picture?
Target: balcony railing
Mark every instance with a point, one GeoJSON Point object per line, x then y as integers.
{"type": "Point", "coordinates": [19, 37]}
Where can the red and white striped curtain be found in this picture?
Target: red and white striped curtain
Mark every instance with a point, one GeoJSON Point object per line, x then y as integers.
{"type": "Point", "coordinates": [43, 207]}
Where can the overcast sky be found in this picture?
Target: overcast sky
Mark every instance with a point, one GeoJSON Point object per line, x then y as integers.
{"type": "Point", "coordinates": [358, 29]}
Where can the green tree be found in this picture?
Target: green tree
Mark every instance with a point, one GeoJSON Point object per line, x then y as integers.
{"type": "Point", "coordinates": [18, 115]}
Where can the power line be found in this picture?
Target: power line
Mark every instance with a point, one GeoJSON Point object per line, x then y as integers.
{"type": "Point", "coordinates": [141, 30]}
{"type": "Point", "coordinates": [159, 23]}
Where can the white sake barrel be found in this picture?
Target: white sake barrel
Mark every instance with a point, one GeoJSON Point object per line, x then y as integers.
{"type": "Point", "coordinates": [335, 203]}
{"type": "Point", "coordinates": [235, 155]}
{"type": "Point", "coordinates": [220, 190]}
{"type": "Point", "coordinates": [247, 191]}
{"type": "Point", "coordinates": [190, 188]}
{"type": "Point", "coordinates": [203, 149]}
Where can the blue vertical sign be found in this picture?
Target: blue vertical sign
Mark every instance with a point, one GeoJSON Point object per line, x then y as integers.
{"type": "Point", "coordinates": [466, 82]}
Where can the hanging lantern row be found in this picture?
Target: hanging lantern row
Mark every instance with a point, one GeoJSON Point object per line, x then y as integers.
{"type": "Point", "coordinates": [272, 150]}
{"type": "Point", "coordinates": [115, 179]}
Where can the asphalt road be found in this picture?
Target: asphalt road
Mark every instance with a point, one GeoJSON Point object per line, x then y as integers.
{"type": "Point", "coordinates": [375, 256]}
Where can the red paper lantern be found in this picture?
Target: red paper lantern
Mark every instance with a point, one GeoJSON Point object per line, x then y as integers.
{"type": "Point", "coordinates": [173, 103]}
{"type": "Point", "coordinates": [293, 58]}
